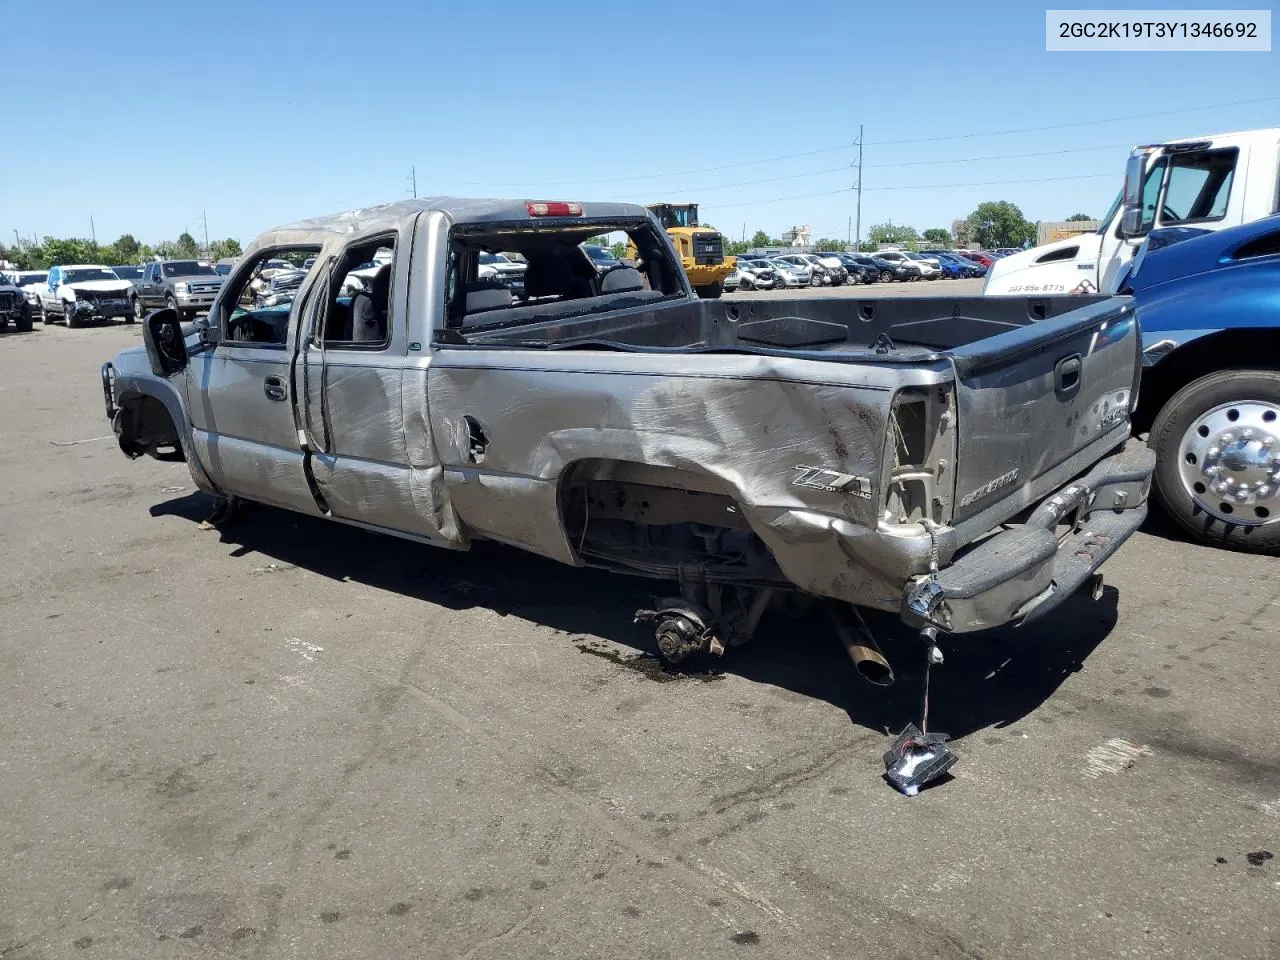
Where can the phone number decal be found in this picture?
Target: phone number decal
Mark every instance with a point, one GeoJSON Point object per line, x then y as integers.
{"type": "Point", "coordinates": [1188, 30]}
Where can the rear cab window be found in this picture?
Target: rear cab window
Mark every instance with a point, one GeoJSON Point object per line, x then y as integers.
{"type": "Point", "coordinates": [507, 274]}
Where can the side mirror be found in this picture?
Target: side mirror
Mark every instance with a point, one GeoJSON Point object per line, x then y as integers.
{"type": "Point", "coordinates": [1131, 222]}
{"type": "Point", "coordinates": [166, 348]}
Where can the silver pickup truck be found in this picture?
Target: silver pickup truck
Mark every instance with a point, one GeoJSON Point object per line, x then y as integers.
{"type": "Point", "coordinates": [964, 463]}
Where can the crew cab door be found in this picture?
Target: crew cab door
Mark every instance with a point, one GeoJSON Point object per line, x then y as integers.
{"type": "Point", "coordinates": [239, 392]}
{"type": "Point", "coordinates": [349, 375]}
{"type": "Point", "coordinates": [1034, 398]}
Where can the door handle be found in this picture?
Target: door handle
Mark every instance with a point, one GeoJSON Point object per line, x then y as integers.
{"type": "Point", "coordinates": [1066, 377]}
{"type": "Point", "coordinates": [275, 389]}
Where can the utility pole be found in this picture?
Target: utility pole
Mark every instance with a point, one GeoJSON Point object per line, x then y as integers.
{"type": "Point", "coordinates": [92, 232]}
{"type": "Point", "coordinates": [859, 187]}
{"type": "Point", "coordinates": [205, 217]}
{"type": "Point", "coordinates": [413, 177]}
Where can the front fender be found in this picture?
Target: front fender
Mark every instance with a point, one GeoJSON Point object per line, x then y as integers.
{"type": "Point", "coordinates": [135, 383]}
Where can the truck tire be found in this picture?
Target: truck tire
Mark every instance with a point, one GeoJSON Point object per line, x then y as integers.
{"type": "Point", "coordinates": [171, 304]}
{"type": "Point", "coordinates": [709, 291]}
{"type": "Point", "coordinates": [44, 316]}
{"type": "Point", "coordinates": [885, 276]}
{"type": "Point", "coordinates": [139, 311]}
{"type": "Point", "coordinates": [69, 316]}
{"type": "Point", "coordinates": [1217, 444]}
{"type": "Point", "coordinates": [22, 323]}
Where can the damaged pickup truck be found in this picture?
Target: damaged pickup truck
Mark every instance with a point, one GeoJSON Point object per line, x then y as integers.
{"type": "Point", "coordinates": [964, 463]}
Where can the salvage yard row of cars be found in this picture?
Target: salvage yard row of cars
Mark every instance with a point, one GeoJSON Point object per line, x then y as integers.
{"type": "Point", "coordinates": [836, 268]}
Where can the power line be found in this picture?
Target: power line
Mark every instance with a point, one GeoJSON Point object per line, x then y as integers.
{"type": "Point", "coordinates": [916, 186]}
{"type": "Point", "coordinates": [884, 166]}
{"type": "Point", "coordinates": [875, 143]}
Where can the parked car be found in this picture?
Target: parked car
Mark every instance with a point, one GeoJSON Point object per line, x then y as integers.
{"type": "Point", "coordinates": [836, 270]}
{"type": "Point", "coordinates": [80, 293]}
{"type": "Point", "coordinates": [929, 267]}
{"type": "Point", "coordinates": [978, 256]}
{"type": "Point", "coordinates": [183, 285]}
{"type": "Point", "coordinates": [911, 270]}
{"type": "Point", "coordinates": [453, 414]}
{"type": "Point", "coordinates": [960, 267]}
{"type": "Point", "coordinates": [30, 282]}
{"type": "Point", "coordinates": [602, 258]}
{"type": "Point", "coordinates": [14, 307]}
{"type": "Point", "coordinates": [733, 281]}
{"type": "Point", "coordinates": [788, 274]}
{"type": "Point", "coordinates": [757, 274]}
{"type": "Point", "coordinates": [975, 269]}
{"type": "Point", "coordinates": [510, 273]}
{"type": "Point", "coordinates": [131, 273]}
{"type": "Point", "coordinates": [817, 272]}
{"type": "Point", "coordinates": [858, 272]}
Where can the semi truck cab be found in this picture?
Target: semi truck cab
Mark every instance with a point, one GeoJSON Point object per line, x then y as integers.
{"type": "Point", "coordinates": [1210, 183]}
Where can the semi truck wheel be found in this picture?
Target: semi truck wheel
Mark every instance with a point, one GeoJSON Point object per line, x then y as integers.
{"type": "Point", "coordinates": [709, 291]}
{"type": "Point", "coordinates": [1217, 444]}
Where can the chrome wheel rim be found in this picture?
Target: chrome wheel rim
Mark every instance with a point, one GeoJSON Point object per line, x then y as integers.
{"type": "Point", "coordinates": [1229, 462]}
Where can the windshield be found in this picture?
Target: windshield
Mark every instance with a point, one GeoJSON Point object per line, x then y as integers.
{"type": "Point", "coordinates": [85, 274]}
{"type": "Point", "coordinates": [27, 278]}
{"type": "Point", "coordinates": [188, 268]}
{"type": "Point", "coordinates": [128, 273]}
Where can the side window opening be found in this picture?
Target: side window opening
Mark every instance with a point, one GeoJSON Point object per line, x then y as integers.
{"type": "Point", "coordinates": [255, 309]}
{"type": "Point", "coordinates": [1199, 186]}
{"type": "Point", "coordinates": [357, 312]}
{"type": "Point", "coordinates": [507, 274]}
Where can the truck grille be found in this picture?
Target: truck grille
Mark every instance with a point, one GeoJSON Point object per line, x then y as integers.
{"type": "Point", "coordinates": [98, 296]}
{"type": "Point", "coordinates": [209, 287]}
{"type": "Point", "coordinates": [708, 248]}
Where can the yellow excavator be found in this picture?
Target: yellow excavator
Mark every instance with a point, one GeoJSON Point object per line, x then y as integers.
{"type": "Point", "coordinates": [701, 249]}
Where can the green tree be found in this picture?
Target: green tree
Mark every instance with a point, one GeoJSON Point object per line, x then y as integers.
{"type": "Point", "coordinates": [736, 248]}
{"type": "Point", "coordinates": [186, 246]}
{"type": "Point", "coordinates": [618, 249]}
{"type": "Point", "coordinates": [222, 249]}
{"type": "Point", "coordinates": [891, 233]}
{"type": "Point", "coordinates": [938, 235]}
{"type": "Point", "coordinates": [1078, 216]}
{"type": "Point", "coordinates": [999, 223]}
{"type": "Point", "coordinates": [127, 249]}
{"type": "Point", "coordinates": [761, 239]}
{"type": "Point", "coordinates": [827, 245]}
{"type": "Point", "coordinates": [55, 251]}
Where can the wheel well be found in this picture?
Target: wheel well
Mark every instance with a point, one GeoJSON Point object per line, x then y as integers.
{"type": "Point", "coordinates": [143, 425]}
{"type": "Point", "coordinates": [1253, 349]}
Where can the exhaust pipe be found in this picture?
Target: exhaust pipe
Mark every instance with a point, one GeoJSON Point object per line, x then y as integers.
{"type": "Point", "coordinates": [861, 646]}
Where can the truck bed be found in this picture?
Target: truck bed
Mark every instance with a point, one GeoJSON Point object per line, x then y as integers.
{"type": "Point", "coordinates": [828, 328]}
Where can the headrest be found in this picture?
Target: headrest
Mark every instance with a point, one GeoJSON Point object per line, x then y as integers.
{"type": "Point", "coordinates": [622, 280]}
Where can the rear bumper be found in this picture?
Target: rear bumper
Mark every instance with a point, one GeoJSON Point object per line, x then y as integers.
{"type": "Point", "coordinates": [1024, 572]}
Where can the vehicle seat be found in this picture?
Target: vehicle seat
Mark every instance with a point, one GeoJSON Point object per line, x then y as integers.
{"type": "Point", "coordinates": [369, 310]}
{"type": "Point", "coordinates": [622, 280]}
{"type": "Point", "coordinates": [485, 295]}
{"type": "Point", "coordinates": [549, 275]}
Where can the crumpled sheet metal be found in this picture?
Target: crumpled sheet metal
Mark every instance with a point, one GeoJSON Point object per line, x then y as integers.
{"type": "Point", "coordinates": [744, 422]}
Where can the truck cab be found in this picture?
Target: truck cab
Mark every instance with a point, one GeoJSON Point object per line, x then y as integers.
{"type": "Point", "coordinates": [701, 249]}
{"type": "Point", "coordinates": [1211, 183]}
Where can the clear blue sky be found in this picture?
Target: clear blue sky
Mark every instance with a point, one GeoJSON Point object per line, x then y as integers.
{"type": "Point", "coordinates": [143, 115]}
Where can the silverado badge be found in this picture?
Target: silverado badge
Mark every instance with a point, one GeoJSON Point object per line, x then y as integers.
{"type": "Point", "coordinates": [820, 478]}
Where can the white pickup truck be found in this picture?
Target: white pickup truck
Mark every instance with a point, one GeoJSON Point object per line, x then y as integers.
{"type": "Point", "coordinates": [1211, 183]}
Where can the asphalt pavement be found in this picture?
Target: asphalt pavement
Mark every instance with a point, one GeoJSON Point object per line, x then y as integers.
{"type": "Point", "coordinates": [289, 738]}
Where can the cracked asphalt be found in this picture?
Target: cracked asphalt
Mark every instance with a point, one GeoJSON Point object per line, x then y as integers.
{"type": "Point", "coordinates": [284, 738]}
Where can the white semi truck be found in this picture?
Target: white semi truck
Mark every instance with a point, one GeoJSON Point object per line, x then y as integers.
{"type": "Point", "coordinates": [1209, 183]}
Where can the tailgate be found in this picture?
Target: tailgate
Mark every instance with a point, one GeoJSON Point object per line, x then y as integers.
{"type": "Point", "coordinates": [1029, 399]}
